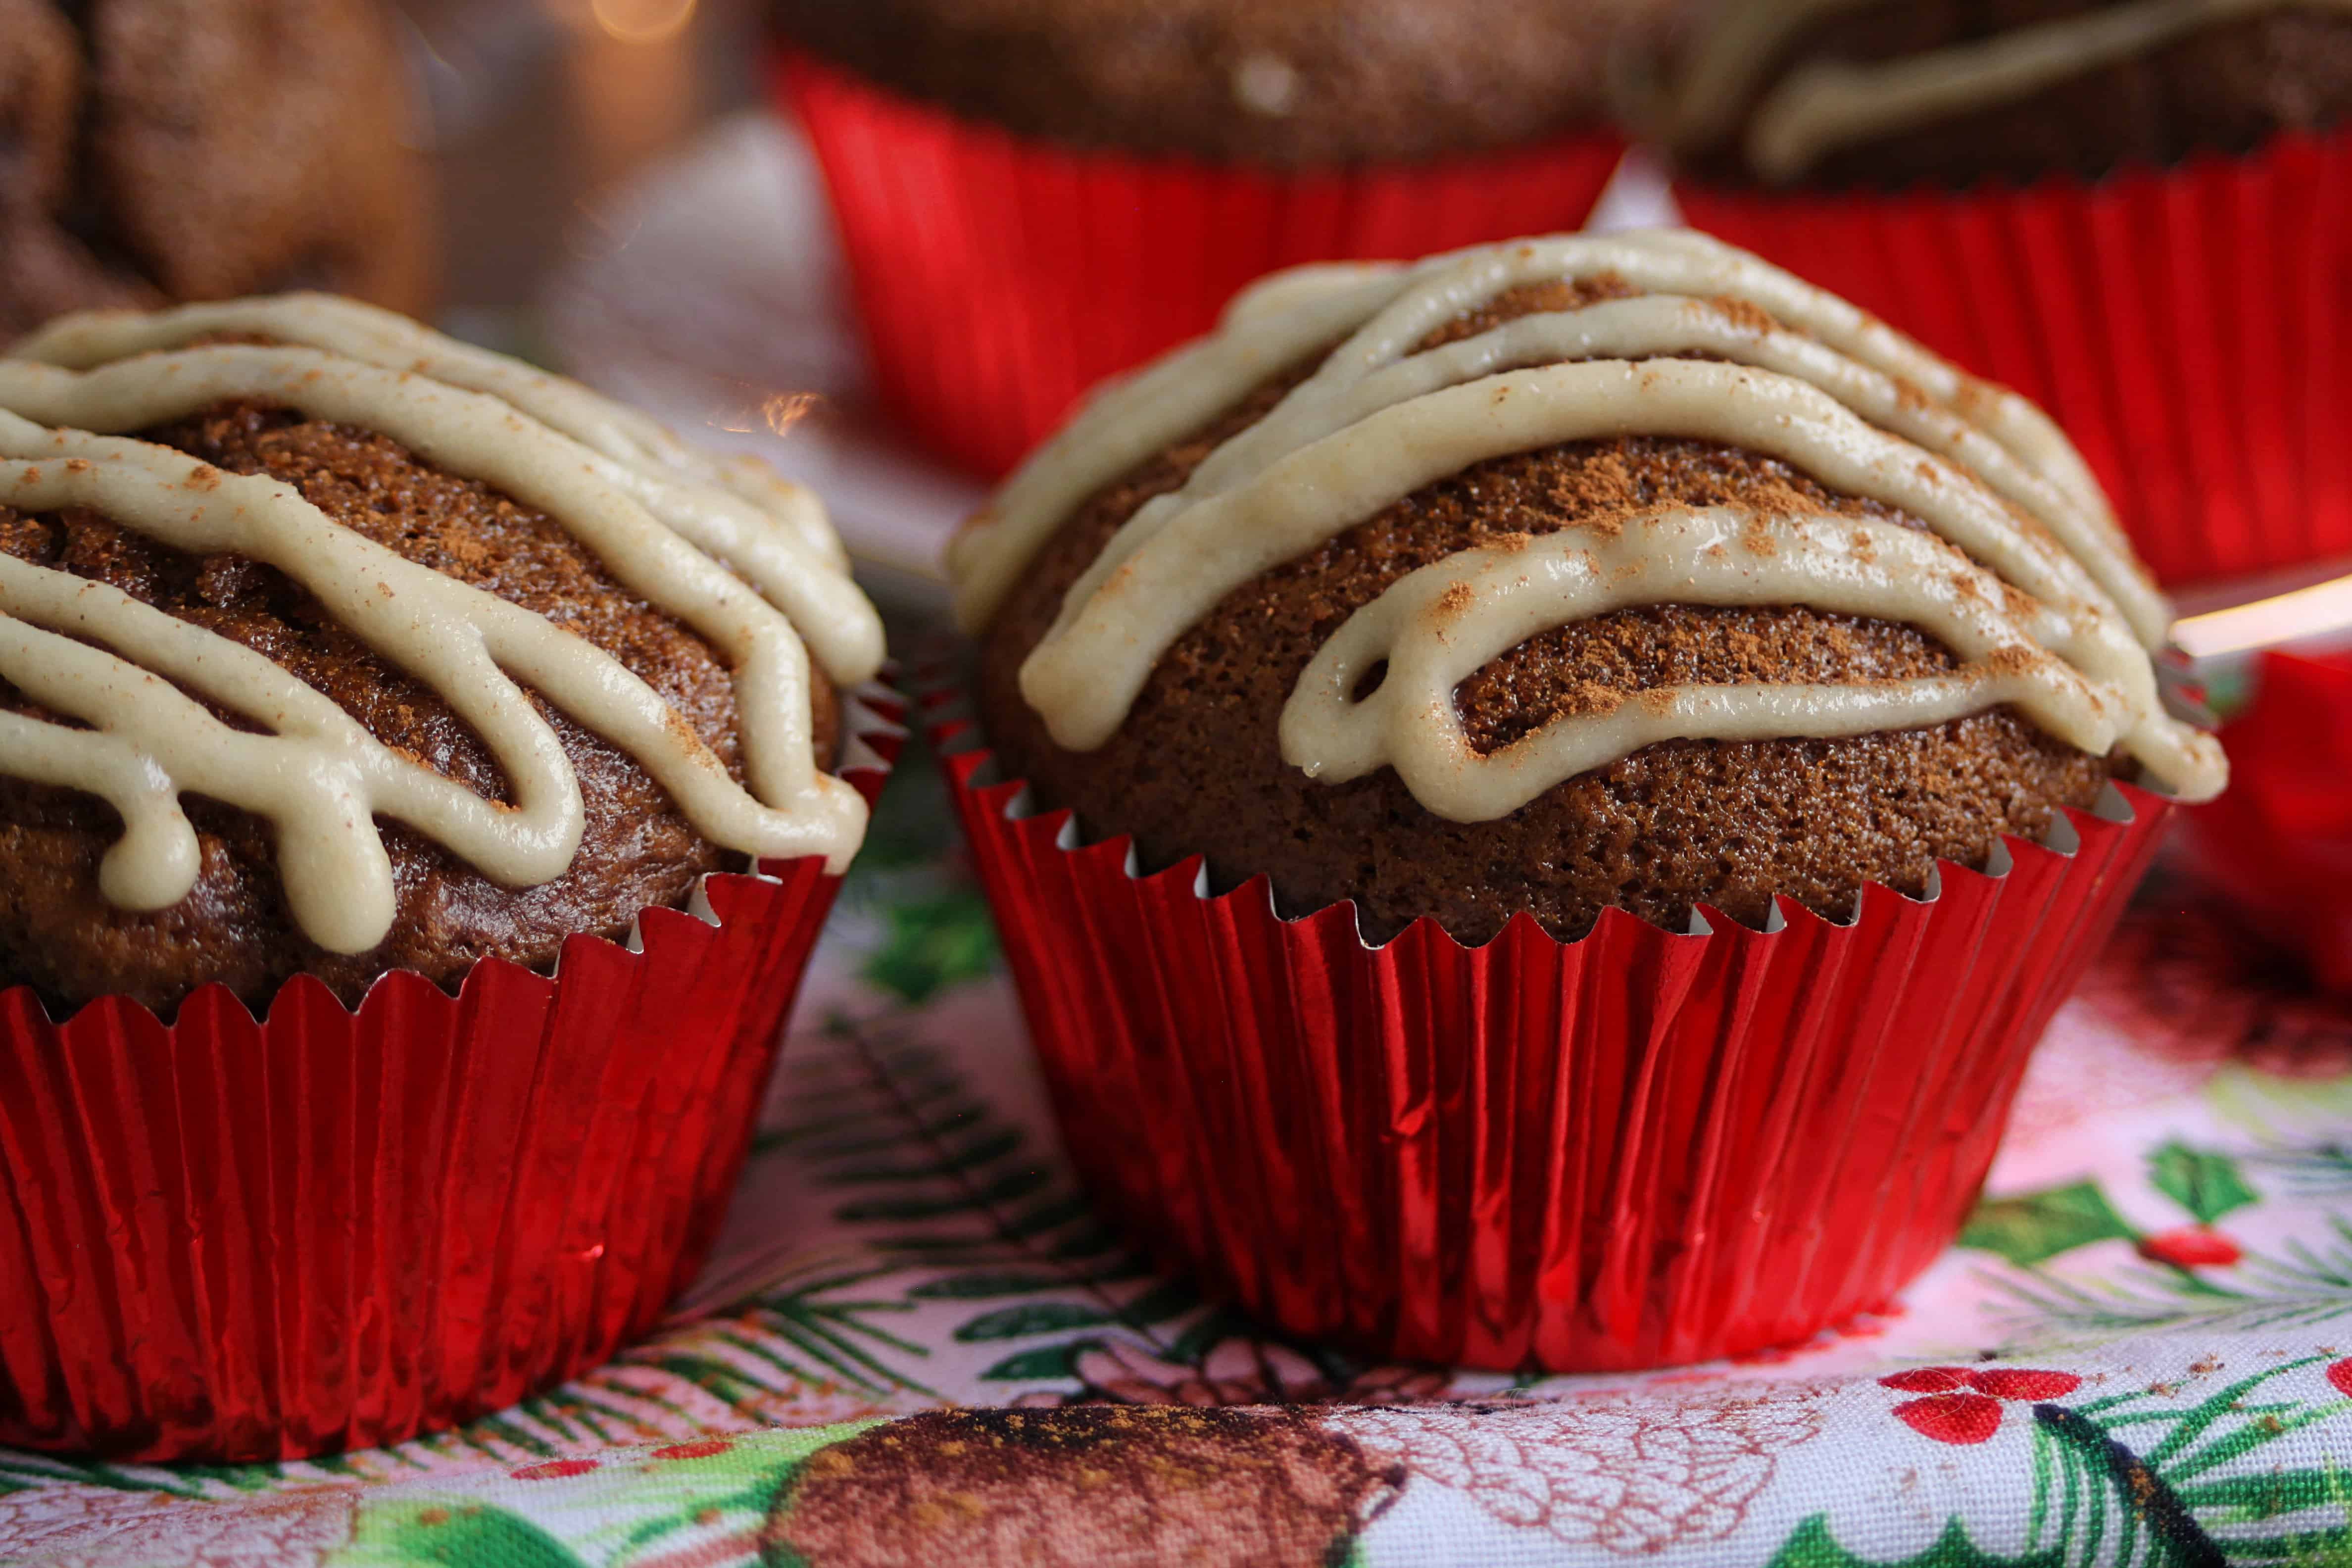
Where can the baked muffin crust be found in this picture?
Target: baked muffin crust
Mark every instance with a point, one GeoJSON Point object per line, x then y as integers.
{"type": "Point", "coordinates": [60, 934]}
{"type": "Point", "coordinates": [1743, 708]}
{"type": "Point", "coordinates": [330, 645]}
{"type": "Point", "coordinates": [1197, 768]}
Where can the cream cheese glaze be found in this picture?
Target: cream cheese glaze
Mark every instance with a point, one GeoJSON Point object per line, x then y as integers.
{"type": "Point", "coordinates": [1824, 106]}
{"type": "Point", "coordinates": [744, 558]}
{"type": "Point", "coordinates": [2024, 576]}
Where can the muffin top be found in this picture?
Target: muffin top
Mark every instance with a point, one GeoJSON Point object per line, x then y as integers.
{"type": "Point", "coordinates": [328, 644]}
{"type": "Point", "coordinates": [1304, 82]}
{"type": "Point", "coordinates": [1558, 575]}
{"type": "Point", "coordinates": [1874, 93]}
{"type": "Point", "coordinates": [159, 150]}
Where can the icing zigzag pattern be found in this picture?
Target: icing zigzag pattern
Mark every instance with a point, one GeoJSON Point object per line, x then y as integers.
{"type": "Point", "coordinates": [745, 560]}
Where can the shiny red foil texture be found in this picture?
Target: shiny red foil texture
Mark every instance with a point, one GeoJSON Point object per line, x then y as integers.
{"type": "Point", "coordinates": [2279, 845]}
{"type": "Point", "coordinates": [231, 1239]}
{"type": "Point", "coordinates": [1635, 1150]}
{"type": "Point", "coordinates": [2190, 328]}
{"type": "Point", "coordinates": [997, 278]}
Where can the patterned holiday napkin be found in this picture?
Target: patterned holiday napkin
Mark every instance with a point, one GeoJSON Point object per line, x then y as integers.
{"type": "Point", "coordinates": [918, 1345]}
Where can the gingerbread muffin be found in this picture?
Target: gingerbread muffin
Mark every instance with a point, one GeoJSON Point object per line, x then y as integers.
{"type": "Point", "coordinates": [1035, 195]}
{"type": "Point", "coordinates": [1376, 657]}
{"type": "Point", "coordinates": [420, 782]}
{"type": "Point", "coordinates": [1887, 96]}
{"type": "Point", "coordinates": [1327, 82]}
{"type": "Point", "coordinates": [674, 726]}
{"type": "Point", "coordinates": [2137, 213]}
{"type": "Point", "coordinates": [163, 150]}
{"type": "Point", "coordinates": [1542, 674]}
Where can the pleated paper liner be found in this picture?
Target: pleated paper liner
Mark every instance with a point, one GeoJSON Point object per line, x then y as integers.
{"type": "Point", "coordinates": [2191, 328]}
{"type": "Point", "coordinates": [227, 1238]}
{"type": "Point", "coordinates": [1635, 1150]}
{"type": "Point", "coordinates": [997, 278]}
{"type": "Point", "coordinates": [2279, 845]}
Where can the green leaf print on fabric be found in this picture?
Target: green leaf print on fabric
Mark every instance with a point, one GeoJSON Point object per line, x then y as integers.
{"type": "Point", "coordinates": [1004, 1188]}
{"type": "Point", "coordinates": [2125, 1494]}
{"type": "Point", "coordinates": [2208, 1185]}
{"type": "Point", "coordinates": [980, 1284]}
{"type": "Point", "coordinates": [933, 944]}
{"type": "Point", "coordinates": [2322, 1171]}
{"type": "Point", "coordinates": [913, 825]}
{"type": "Point", "coordinates": [1035, 1318]}
{"type": "Point", "coordinates": [2298, 1282]}
{"type": "Point", "coordinates": [1172, 1299]}
{"type": "Point", "coordinates": [936, 931]}
{"type": "Point", "coordinates": [1032, 1367]}
{"type": "Point", "coordinates": [955, 1160]}
{"type": "Point", "coordinates": [2134, 1479]}
{"type": "Point", "coordinates": [26, 1472]}
{"type": "Point", "coordinates": [1812, 1546]}
{"type": "Point", "coordinates": [703, 1502]}
{"type": "Point", "coordinates": [2025, 1230]}
{"type": "Point", "coordinates": [2132, 1474]}
{"type": "Point", "coordinates": [938, 1180]}
{"type": "Point", "coordinates": [410, 1533]}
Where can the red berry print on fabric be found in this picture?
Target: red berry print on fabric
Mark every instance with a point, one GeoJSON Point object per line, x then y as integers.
{"type": "Point", "coordinates": [1963, 1402]}
{"type": "Point", "coordinates": [710, 1448]}
{"type": "Point", "coordinates": [2024, 1383]}
{"type": "Point", "coordinates": [2000, 1381]}
{"type": "Point", "coordinates": [555, 1470]}
{"type": "Point", "coordinates": [2339, 1377]}
{"type": "Point", "coordinates": [1928, 1380]}
{"type": "Point", "coordinates": [1961, 1418]}
{"type": "Point", "coordinates": [2190, 1247]}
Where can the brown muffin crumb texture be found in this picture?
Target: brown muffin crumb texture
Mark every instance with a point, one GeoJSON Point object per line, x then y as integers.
{"type": "Point", "coordinates": [58, 934]}
{"type": "Point", "coordinates": [1104, 1486]}
{"type": "Point", "coordinates": [1197, 767]}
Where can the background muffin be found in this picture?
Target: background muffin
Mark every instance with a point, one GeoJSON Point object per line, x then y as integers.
{"type": "Point", "coordinates": [159, 150]}
{"type": "Point", "coordinates": [2138, 215]}
{"type": "Point", "coordinates": [1227, 82]}
{"type": "Point", "coordinates": [1035, 195]}
{"type": "Point", "coordinates": [1390, 709]}
{"type": "Point", "coordinates": [1887, 96]}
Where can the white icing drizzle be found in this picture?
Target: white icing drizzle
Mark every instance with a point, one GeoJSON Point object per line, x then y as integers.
{"type": "Point", "coordinates": [1822, 105]}
{"type": "Point", "coordinates": [86, 650]}
{"type": "Point", "coordinates": [772, 532]}
{"type": "Point", "coordinates": [2026, 578]}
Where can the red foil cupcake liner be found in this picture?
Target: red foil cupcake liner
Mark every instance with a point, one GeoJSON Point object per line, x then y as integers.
{"type": "Point", "coordinates": [998, 279]}
{"type": "Point", "coordinates": [2191, 328]}
{"type": "Point", "coordinates": [2279, 845]}
{"type": "Point", "coordinates": [1635, 1150]}
{"type": "Point", "coordinates": [238, 1239]}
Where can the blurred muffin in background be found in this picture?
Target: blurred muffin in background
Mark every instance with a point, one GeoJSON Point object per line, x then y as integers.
{"type": "Point", "coordinates": [167, 149]}
{"type": "Point", "coordinates": [2137, 212]}
{"type": "Point", "coordinates": [1324, 81]}
{"type": "Point", "coordinates": [1883, 96]}
{"type": "Point", "coordinates": [1037, 194]}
